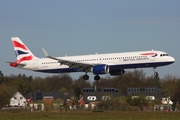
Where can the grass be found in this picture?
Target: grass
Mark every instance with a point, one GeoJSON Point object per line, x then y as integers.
{"type": "Point", "coordinates": [89, 115]}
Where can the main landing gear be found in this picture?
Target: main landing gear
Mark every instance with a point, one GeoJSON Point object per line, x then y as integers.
{"type": "Point", "coordinates": [86, 77]}
{"type": "Point", "coordinates": [156, 78]}
{"type": "Point", "coordinates": [96, 77]}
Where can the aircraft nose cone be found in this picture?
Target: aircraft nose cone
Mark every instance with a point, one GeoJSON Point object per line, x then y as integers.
{"type": "Point", "coordinates": [171, 59]}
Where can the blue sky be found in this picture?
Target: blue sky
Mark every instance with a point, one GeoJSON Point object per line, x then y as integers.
{"type": "Point", "coordinates": [75, 27]}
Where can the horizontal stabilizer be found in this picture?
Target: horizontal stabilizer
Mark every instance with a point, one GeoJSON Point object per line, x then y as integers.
{"type": "Point", "coordinates": [15, 64]}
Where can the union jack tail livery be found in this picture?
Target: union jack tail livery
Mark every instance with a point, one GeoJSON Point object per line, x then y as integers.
{"type": "Point", "coordinates": [23, 54]}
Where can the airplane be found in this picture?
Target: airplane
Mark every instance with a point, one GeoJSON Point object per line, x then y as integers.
{"type": "Point", "coordinates": [98, 64]}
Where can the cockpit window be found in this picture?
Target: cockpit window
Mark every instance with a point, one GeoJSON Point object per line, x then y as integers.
{"type": "Point", "coordinates": [164, 55]}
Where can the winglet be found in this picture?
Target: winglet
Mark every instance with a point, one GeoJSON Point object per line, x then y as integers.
{"type": "Point", "coordinates": [48, 56]}
{"type": "Point", "coordinates": [46, 53]}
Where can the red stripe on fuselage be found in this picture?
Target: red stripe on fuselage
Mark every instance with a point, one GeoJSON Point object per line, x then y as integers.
{"type": "Point", "coordinates": [148, 54]}
{"type": "Point", "coordinates": [17, 44]}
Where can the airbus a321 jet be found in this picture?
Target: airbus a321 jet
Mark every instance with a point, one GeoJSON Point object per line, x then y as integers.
{"type": "Point", "coordinates": [111, 63]}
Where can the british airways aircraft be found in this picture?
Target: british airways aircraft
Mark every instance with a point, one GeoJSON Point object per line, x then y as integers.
{"type": "Point", "coordinates": [111, 63]}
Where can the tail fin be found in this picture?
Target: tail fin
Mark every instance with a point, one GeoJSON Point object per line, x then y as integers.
{"type": "Point", "coordinates": [21, 50]}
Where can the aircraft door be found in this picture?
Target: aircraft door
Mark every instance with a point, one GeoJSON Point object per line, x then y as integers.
{"type": "Point", "coordinates": [35, 64]}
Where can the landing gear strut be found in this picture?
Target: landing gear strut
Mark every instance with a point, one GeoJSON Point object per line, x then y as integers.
{"type": "Point", "coordinates": [156, 78]}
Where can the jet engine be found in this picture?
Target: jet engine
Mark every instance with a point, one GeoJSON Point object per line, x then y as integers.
{"type": "Point", "coordinates": [100, 69]}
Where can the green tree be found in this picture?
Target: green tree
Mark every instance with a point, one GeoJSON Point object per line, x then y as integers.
{"type": "Point", "coordinates": [77, 92]}
{"type": "Point", "coordinates": [81, 83]}
{"type": "Point", "coordinates": [58, 101]}
{"type": "Point", "coordinates": [139, 101]}
{"type": "Point", "coordinates": [169, 85]}
{"type": "Point", "coordinates": [176, 94]}
{"type": "Point", "coordinates": [6, 92]}
{"type": "Point", "coordinates": [1, 77]}
{"type": "Point", "coordinates": [63, 90]}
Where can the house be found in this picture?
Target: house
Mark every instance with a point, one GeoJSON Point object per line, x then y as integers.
{"type": "Point", "coordinates": [166, 101]}
{"type": "Point", "coordinates": [38, 95]}
{"type": "Point", "coordinates": [98, 94]}
{"type": "Point", "coordinates": [18, 100]}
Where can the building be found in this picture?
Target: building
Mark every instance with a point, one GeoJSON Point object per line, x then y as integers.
{"type": "Point", "coordinates": [145, 91]}
{"type": "Point", "coordinates": [35, 96]}
{"type": "Point", "coordinates": [17, 100]}
{"type": "Point", "coordinates": [98, 94]}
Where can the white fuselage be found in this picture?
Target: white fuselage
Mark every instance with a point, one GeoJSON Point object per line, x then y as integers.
{"type": "Point", "coordinates": [115, 61]}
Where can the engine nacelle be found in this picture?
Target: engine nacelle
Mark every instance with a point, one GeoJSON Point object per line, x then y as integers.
{"type": "Point", "coordinates": [117, 72]}
{"type": "Point", "coordinates": [100, 69]}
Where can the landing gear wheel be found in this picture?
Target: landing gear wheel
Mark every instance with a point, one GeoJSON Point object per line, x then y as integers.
{"type": "Point", "coordinates": [86, 77]}
{"type": "Point", "coordinates": [155, 74]}
{"type": "Point", "coordinates": [97, 77]}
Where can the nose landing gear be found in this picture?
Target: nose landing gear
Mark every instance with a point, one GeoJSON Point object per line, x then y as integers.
{"type": "Point", "coordinates": [155, 72]}
{"type": "Point", "coordinates": [156, 78]}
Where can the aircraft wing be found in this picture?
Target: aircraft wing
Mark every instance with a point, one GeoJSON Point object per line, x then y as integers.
{"type": "Point", "coordinates": [82, 66]}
